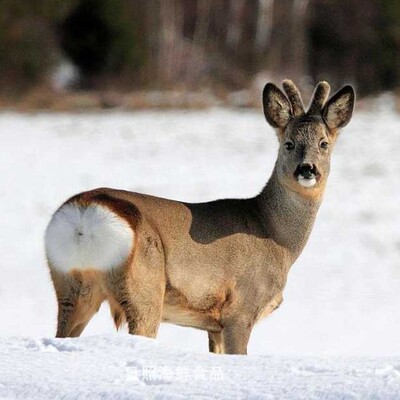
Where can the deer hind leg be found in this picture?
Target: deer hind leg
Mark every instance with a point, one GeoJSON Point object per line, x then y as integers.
{"type": "Point", "coordinates": [215, 342]}
{"type": "Point", "coordinates": [138, 291]}
{"type": "Point", "coordinates": [79, 297]}
{"type": "Point", "coordinates": [117, 313]}
{"type": "Point", "coordinates": [140, 307]}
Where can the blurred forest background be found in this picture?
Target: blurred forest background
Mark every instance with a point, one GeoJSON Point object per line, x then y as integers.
{"type": "Point", "coordinates": [112, 52]}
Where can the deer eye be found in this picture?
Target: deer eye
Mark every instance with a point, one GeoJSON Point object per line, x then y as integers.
{"type": "Point", "coordinates": [289, 146]}
{"type": "Point", "coordinates": [324, 144]}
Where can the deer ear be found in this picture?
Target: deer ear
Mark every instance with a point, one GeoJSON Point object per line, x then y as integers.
{"type": "Point", "coordinates": [338, 110]}
{"type": "Point", "coordinates": [277, 108]}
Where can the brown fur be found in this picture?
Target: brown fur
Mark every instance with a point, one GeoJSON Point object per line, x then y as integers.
{"type": "Point", "coordinates": [219, 266]}
{"type": "Point", "coordinates": [79, 295]}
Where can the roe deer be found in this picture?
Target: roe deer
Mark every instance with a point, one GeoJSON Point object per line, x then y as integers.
{"type": "Point", "coordinates": [219, 266]}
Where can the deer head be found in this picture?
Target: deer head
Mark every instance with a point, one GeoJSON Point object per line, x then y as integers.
{"type": "Point", "coordinates": [306, 139]}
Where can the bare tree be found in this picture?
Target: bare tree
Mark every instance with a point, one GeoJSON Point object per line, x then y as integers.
{"type": "Point", "coordinates": [264, 25]}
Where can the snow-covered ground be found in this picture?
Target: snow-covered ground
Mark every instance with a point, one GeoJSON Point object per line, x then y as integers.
{"type": "Point", "coordinates": [343, 294]}
{"type": "Point", "coordinates": [127, 367]}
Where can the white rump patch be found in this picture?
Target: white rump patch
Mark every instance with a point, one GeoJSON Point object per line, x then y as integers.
{"type": "Point", "coordinates": [87, 237]}
{"type": "Point", "coordinates": [306, 182]}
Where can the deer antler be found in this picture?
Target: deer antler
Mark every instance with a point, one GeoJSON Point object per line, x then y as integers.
{"type": "Point", "coordinates": [319, 97]}
{"type": "Point", "coordinates": [294, 97]}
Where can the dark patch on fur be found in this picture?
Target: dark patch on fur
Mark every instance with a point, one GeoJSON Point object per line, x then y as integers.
{"type": "Point", "coordinates": [123, 208]}
{"type": "Point", "coordinates": [67, 304]}
{"type": "Point", "coordinates": [221, 218]}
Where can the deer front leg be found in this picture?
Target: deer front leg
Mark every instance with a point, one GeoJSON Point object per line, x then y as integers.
{"type": "Point", "coordinates": [236, 335]}
{"type": "Point", "coordinates": [215, 342]}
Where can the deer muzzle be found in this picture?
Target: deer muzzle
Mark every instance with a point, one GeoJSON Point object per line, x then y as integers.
{"type": "Point", "coordinates": [306, 174]}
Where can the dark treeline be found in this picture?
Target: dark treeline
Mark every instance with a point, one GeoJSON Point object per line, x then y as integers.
{"type": "Point", "coordinates": [200, 43]}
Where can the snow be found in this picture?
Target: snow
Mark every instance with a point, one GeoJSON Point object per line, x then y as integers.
{"type": "Point", "coordinates": [126, 367]}
{"type": "Point", "coordinates": [336, 334]}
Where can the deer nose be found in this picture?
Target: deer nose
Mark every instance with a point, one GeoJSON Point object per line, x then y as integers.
{"type": "Point", "coordinates": [307, 170]}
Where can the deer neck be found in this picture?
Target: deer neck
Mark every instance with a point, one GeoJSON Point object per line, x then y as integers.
{"type": "Point", "coordinates": [288, 216]}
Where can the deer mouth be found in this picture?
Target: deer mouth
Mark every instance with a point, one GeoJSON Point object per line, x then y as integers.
{"type": "Point", "coordinates": [306, 175]}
